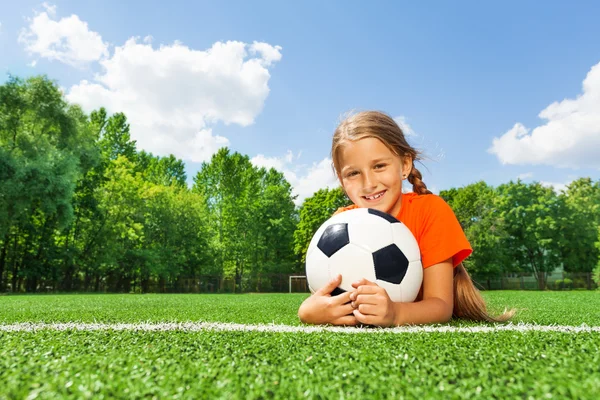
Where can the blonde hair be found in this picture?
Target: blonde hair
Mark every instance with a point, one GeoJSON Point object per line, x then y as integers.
{"type": "Point", "coordinates": [468, 303]}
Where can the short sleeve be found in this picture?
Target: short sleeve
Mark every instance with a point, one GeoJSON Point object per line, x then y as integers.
{"type": "Point", "coordinates": [441, 236]}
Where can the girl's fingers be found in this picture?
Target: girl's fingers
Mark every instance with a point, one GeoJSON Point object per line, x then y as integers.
{"type": "Point", "coordinates": [364, 290]}
{"type": "Point", "coordinates": [363, 282]}
{"type": "Point", "coordinates": [342, 298]}
{"type": "Point", "coordinates": [364, 319]}
{"type": "Point", "coordinates": [328, 288]}
{"type": "Point", "coordinates": [367, 309]}
{"type": "Point", "coordinates": [347, 309]}
{"type": "Point", "coordinates": [366, 299]}
{"type": "Point", "coordinates": [348, 320]}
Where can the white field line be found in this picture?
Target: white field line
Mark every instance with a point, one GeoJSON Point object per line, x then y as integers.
{"type": "Point", "coordinates": [229, 327]}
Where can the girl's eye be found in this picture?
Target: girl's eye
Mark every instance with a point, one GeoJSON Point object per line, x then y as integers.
{"type": "Point", "coordinates": [379, 166]}
{"type": "Point", "coordinates": [351, 174]}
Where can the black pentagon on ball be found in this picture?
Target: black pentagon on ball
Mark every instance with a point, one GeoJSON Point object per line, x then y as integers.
{"type": "Point", "coordinates": [337, 291]}
{"type": "Point", "coordinates": [334, 238]}
{"type": "Point", "coordinates": [383, 215]}
{"type": "Point", "coordinates": [390, 264]}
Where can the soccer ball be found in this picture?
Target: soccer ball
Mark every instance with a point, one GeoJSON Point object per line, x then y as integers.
{"type": "Point", "coordinates": [365, 243]}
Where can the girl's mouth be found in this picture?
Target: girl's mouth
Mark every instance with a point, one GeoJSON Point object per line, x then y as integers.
{"type": "Point", "coordinates": [375, 196]}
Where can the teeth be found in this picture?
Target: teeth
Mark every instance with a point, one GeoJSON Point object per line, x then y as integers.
{"type": "Point", "coordinates": [374, 197]}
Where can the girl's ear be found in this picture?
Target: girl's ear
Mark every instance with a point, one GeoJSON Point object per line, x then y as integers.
{"type": "Point", "coordinates": [407, 166]}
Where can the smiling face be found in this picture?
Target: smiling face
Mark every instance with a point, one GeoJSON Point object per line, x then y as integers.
{"type": "Point", "coordinates": [371, 174]}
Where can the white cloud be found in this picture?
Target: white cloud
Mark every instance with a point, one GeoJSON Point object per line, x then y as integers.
{"type": "Point", "coordinates": [51, 9]}
{"type": "Point", "coordinates": [318, 176]}
{"type": "Point", "coordinates": [305, 180]}
{"type": "Point", "coordinates": [526, 175]}
{"type": "Point", "coordinates": [279, 163]}
{"type": "Point", "coordinates": [172, 94]}
{"type": "Point", "coordinates": [403, 124]}
{"type": "Point", "coordinates": [570, 138]}
{"type": "Point", "coordinates": [268, 53]}
{"type": "Point", "coordinates": [67, 40]}
{"type": "Point", "coordinates": [557, 187]}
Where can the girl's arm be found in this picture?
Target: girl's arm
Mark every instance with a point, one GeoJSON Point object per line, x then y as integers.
{"type": "Point", "coordinates": [438, 298]}
{"type": "Point", "coordinates": [374, 307]}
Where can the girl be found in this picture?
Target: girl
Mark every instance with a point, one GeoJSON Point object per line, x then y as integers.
{"type": "Point", "coordinates": [371, 159]}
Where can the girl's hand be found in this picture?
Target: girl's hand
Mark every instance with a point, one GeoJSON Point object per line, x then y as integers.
{"type": "Point", "coordinates": [372, 305]}
{"type": "Point", "coordinates": [323, 308]}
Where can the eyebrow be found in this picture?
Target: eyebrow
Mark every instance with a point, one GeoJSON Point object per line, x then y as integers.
{"type": "Point", "coordinates": [376, 161]}
{"type": "Point", "coordinates": [381, 159]}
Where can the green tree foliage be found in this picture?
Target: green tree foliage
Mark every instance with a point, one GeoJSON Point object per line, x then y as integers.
{"type": "Point", "coordinates": [44, 147]}
{"type": "Point", "coordinates": [252, 213]}
{"type": "Point", "coordinates": [315, 210]}
{"type": "Point", "coordinates": [475, 209]}
{"type": "Point", "coordinates": [579, 221]}
{"type": "Point", "coordinates": [114, 140]}
{"type": "Point", "coordinates": [85, 236]}
{"type": "Point", "coordinates": [276, 220]}
{"type": "Point", "coordinates": [165, 171]}
{"type": "Point", "coordinates": [528, 214]}
{"type": "Point", "coordinates": [596, 272]}
{"type": "Point", "coordinates": [81, 209]}
{"type": "Point", "coordinates": [177, 237]}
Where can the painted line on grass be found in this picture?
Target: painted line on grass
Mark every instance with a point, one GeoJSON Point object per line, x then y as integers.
{"type": "Point", "coordinates": [233, 327]}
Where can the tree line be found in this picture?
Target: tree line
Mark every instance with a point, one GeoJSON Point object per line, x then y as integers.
{"type": "Point", "coordinates": [82, 209]}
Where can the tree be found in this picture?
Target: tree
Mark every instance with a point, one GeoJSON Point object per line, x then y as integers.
{"type": "Point", "coordinates": [162, 170]}
{"type": "Point", "coordinates": [121, 201]}
{"type": "Point", "coordinates": [44, 148]}
{"type": "Point", "coordinates": [83, 238]}
{"type": "Point", "coordinates": [528, 215]}
{"type": "Point", "coordinates": [252, 213]}
{"type": "Point", "coordinates": [474, 208]}
{"type": "Point", "coordinates": [275, 222]}
{"type": "Point", "coordinates": [115, 139]}
{"type": "Point", "coordinates": [579, 220]}
{"type": "Point", "coordinates": [176, 237]}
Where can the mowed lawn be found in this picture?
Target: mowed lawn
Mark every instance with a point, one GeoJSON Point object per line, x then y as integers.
{"type": "Point", "coordinates": [97, 357]}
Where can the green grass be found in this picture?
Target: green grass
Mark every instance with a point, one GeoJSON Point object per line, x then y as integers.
{"type": "Point", "coordinates": [545, 308]}
{"type": "Point", "coordinates": [210, 364]}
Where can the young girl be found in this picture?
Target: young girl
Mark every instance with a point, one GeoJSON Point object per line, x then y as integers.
{"type": "Point", "coordinates": [371, 159]}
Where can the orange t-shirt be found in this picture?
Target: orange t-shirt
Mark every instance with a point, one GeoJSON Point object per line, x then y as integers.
{"type": "Point", "coordinates": [434, 225]}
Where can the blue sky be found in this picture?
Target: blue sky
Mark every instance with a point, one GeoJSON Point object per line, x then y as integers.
{"type": "Point", "coordinates": [488, 92]}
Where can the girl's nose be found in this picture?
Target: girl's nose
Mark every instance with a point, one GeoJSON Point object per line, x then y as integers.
{"type": "Point", "coordinates": [369, 182]}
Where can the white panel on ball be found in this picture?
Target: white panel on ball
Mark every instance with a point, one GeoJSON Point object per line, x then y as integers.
{"type": "Point", "coordinates": [411, 284]}
{"type": "Point", "coordinates": [394, 292]}
{"type": "Point", "coordinates": [342, 262]}
{"type": "Point", "coordinates": [317, 269]}
{"type": "Point", "coordinates": [371, 232]}
{"type": "Point", "coordinates": [405, 240]}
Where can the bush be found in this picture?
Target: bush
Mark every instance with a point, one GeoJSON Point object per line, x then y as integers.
{"type": "Point", "coordinates": [562, 284]}
{"type": "Point", "coordinates": [579, 283]}
{"type": "Point", "coordinates": [596, 275]}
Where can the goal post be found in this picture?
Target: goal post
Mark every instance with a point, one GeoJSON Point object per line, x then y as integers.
{"type": "Point", "coordinates": [297, 278]}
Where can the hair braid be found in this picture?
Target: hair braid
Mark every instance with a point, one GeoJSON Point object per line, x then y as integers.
{"type": "Point", "coordinates": [468, 303]}
{"type": "Point", "coordinates": [419, 187]}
